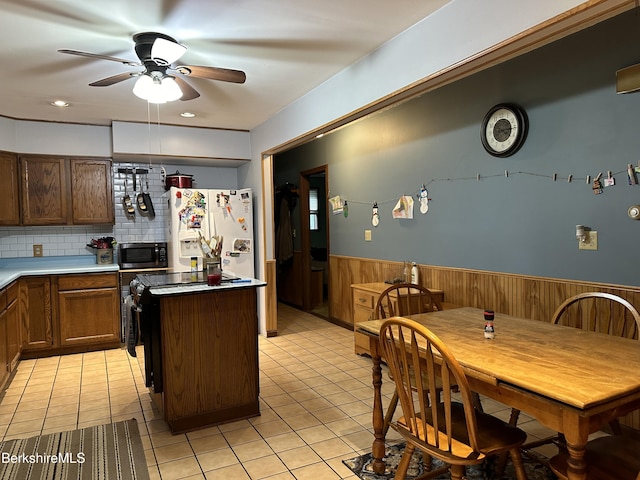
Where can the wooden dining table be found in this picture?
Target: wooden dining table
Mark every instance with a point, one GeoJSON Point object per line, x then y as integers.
{"type": "Point", "coordinates": [571, 381]}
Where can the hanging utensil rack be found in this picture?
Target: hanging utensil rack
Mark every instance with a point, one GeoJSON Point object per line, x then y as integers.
{"type": "Point", "coordinates": [135, 172]}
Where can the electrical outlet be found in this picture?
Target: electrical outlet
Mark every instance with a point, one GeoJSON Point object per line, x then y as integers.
{"type": "Point", "coordinates": [591, 243]}
{"type": "Point", "coordinates": [367, 235]}
{"type": "Point", "coordinates": [37, 250]}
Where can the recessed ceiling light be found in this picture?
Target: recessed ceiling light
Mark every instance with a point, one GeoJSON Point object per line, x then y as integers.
{"type": "Point", "coordinates": [187, 114]}
{"type": "Point", "coordinates": [60, 103]}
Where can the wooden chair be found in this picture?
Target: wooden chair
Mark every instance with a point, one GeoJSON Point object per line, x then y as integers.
{"type": "Point", "coordinates": [596, 312]}
{"type": "Point", "coordinates": [455, 432]}
{"type": "Point", "coordinates": [405, 299]}
{"type": "Point", "coordinates": [608, 458]}
{"type": "Point", "coordinates": [400, 300]}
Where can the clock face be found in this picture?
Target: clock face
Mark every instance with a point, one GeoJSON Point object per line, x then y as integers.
{"type": "Point", "coordinates": [504, 130]}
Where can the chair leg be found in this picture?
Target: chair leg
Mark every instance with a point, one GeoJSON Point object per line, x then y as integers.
{"type": "Point", "coordinates": [476, 402]}
{"type": "Point", "coordinates": [403, 464]}
{"type": "Point", "coordinates": [427, 461]}
{"type": "Point", "coordinates": [502, 458]}
{"type": "Point", "coordinates": [457, 472]}
{"type": "Point", "coordinates": [615, 427]}
{"type": "Point", "coordinates": [393, 404]}
{"type": "Point", "coordinates": [516, 458]}
{"type": "Point", "coordinates": [513, 419]}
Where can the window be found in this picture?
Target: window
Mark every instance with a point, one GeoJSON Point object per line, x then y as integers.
{"type": "Point", "coordinates": [313, 209]}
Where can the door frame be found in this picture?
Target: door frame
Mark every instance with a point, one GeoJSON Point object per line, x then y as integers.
{"type": "Point", "coordinates": [305, 233]}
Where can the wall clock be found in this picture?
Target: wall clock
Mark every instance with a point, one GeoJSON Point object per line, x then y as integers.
{"type": "Point", "coordinates": [504, 129]}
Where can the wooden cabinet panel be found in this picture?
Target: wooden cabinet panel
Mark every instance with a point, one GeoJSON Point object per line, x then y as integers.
{"type": "Point", "coordinates": [14, 337]}
{"type": "Point", "coordinates": [89, 316]}
{"type": "Point", "coordinates": [35, 313]}
{"type": "Point", "coordinates": [4, 357]}
{"type": "Point", "coordinates": [83, 282]}
{"type": "Point", "coordinates": [92, 191]}
{"type": "Point", "coordinates": [209, 357]}
{"type": "Point", "coordinates": [10, 205]}
{"type": "Point", "coordinates": [44, 190]}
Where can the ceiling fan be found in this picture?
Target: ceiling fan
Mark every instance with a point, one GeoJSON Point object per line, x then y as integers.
{"type": "Point", "coordinates": [157, 53]}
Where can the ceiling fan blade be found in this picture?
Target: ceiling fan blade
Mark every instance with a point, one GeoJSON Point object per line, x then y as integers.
{"type": "Point", "coordinates": [100, 57]}
{"type": "Point", "coordinates": [213, 73]}
{"type": "Point", "coordinates": [188, 92]}
{"type": "Point", "coordinates": [120, 77]}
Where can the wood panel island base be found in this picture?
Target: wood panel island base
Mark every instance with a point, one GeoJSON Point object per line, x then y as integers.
{"type": "Point", "coordinates": [201, 356]}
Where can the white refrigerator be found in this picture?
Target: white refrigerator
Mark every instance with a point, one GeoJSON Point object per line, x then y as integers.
{"type": "Point", "coordinates": [211, 224]}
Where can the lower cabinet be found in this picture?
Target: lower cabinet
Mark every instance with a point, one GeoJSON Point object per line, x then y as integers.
{"type": "Point", "coordinates": [14, 338]}
{"type": "Point", "coordinates": [9, 331]}
{"type": "Point", "coordinates": [36, 313]}
{"type": "Point", "coordinates": [69, 313]}
{"type": "Point", "coordinates": [88, 309]}
{"type": "Point", "coordinates": [4, 356]}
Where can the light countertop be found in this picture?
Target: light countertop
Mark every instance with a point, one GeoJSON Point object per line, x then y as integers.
{"type": "Point", "coordinates": [14, 268]}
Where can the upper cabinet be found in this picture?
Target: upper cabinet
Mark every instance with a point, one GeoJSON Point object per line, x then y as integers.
{"type": "Point", "coordinates": [44, 190]}
{"type": "Point", "coordinates": [66, 191]}
{"type": "Point", "coordinates": [91, 191]}
{"type": "Point", "coordinates": [10, 206]}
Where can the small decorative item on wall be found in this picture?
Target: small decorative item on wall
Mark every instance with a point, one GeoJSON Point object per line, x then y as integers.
{"type": "Point", "coordinates": [504, 129]}
{"type": "Point", "coordinates": [336, 205]}
{"type": "Point", "coordinates": [404, 208]}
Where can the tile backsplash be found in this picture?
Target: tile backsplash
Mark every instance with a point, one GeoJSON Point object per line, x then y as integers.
{"type": "Point", "coordinates": [72, 240]}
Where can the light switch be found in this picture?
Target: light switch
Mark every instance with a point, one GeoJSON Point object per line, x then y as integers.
{"type": "Point", "coordinates": [367, 235]}
{"type": "Point", "coordinates": [591, 242]}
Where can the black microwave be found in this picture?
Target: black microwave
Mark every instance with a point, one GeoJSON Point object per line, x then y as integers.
{"type": "Point", "coordinates": [143, 255]}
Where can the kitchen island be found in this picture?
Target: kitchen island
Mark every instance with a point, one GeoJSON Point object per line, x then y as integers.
{"type": "Point", "coordinates": [201, 348]}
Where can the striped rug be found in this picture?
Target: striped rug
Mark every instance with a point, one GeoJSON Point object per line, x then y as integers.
{"type": "Point", "coordinates": [105, 452]}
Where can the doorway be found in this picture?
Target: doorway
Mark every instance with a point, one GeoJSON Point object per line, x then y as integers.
{"type": "Point", "coordinates": [302, 241]}
{"type": "Point", "coordinates": [314, 241]}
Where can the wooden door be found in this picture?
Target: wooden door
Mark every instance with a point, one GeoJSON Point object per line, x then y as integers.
{"type": "Point", "coordinates": [89, 316]}
{"type": "Point", "coordinates": [14, 338]}
{"type": "Point", "coordinates": [92, 191]}
{"type": "Point", "coordinates": [44, 191]}
{"type": "Point", "coordinates": [88, 309]}
{"type": "Point", "coordinates": [35, 313]}
{"type": "Point", "coordinates": [4, 359]}
{"type": "Point", "coordinates": [9, 181]}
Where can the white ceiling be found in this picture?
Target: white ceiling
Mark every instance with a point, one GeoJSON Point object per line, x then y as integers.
{"type": "Point", "coordinates": [285, 47]}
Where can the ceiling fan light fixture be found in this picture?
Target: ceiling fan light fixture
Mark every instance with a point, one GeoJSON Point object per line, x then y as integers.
{"type": "Point", "coordinates": [157, 89]}
{"type": "Point", "coordinates": [165, 52]}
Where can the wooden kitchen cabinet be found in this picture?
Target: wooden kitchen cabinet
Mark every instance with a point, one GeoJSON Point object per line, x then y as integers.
{"type": "Point", "coordinates": [36, 313]}
{"type": "Point", "coordinates": [365, 296]}
{"type": "Point", "coordinates": [4, 355]}
{"type": "Point", "coordinates": [89, 309]}
{"type": "Point", "coordinates": [44, 191]}
{"type": "Point", "coordinates": [91, 191]}
{"type": "Point", "coordinates": [69, 313]}
{"type": "Point", "coordinates": [9, 350]}
{"type": "Point", "coordinates": [14, 337]}
{"type": "Point", "coordinates": [66, 191]}
{"type": "Point", "coordinates": [9, 186]}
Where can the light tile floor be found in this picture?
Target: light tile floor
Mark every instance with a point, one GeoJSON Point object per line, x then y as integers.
{"type": "Point", "coordinates": [316, 402]}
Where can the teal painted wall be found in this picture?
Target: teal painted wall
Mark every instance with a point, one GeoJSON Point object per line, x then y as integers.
{"type": "Point", "coordinates": [521, 224]}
